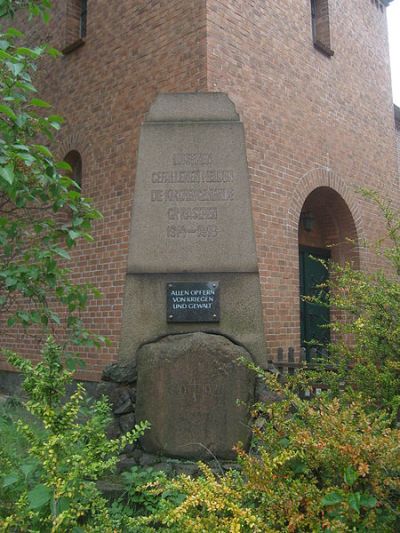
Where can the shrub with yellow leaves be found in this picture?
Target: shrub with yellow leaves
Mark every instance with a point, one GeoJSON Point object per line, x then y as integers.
{"type": "Point", "coordinates": [55, 489]}
{"type": "Point", "coordinates": [317, 465]}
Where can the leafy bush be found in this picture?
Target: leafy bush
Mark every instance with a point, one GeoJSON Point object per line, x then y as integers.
{"type": "Point", "coordinates": [316, 465]}
{"type": "Point", "coordinates": [365, 353]}
{"type": "Point", "coordinates": [42, 212]}
{"type": "Point", "coordinates": [55, 489]}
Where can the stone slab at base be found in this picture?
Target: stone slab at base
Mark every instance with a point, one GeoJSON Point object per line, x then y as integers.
{"type": "Point", "coordinates": [196, 396]}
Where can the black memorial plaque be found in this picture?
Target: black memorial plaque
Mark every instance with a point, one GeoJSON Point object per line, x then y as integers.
{"type": "Point", "coordinates": [193, 302]}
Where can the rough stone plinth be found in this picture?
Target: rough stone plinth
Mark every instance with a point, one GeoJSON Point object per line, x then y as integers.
{"type": "Point", "coordinates": [188, 389]}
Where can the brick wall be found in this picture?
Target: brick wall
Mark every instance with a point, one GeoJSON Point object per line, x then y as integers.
{"type": "Point", "coordinates": [133, 50]}
{"type": "Point", "coordinates": [311, 121]}
{"type": "Point", "coordinates": [397, 124]}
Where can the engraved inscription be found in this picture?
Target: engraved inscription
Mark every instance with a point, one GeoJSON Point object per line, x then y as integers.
{"type": "Point", "coordinates": [182, 232]}
{"type": "Point", "coordinates": [193, 302]}
{"type": "Point", "coordinates": [192, 195]}
{"type": "Point", "coordinates": [192, 213]}
{"type": "Point", "coordinates": [199, 392]}
{"type": "Point", "coordinates": [192, 178]}
{"type": "Point", "coordinates": [192, 159]}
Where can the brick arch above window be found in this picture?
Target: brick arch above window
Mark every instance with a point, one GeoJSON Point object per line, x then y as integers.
{"type": "Point", "coordinates": [314, 179]}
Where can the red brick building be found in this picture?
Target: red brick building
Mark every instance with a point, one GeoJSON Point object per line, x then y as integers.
{"type": "Point", "coordinates": [397, 121]}
{"type": "Point", "coordinates": [311, 82]}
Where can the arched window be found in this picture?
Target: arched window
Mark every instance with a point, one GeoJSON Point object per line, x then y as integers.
{"type": "Point", "coordinates": [76, 25]}
{"type": "Point", "coordinates": [320, 26]}
{"type": "Point", "coordinates": [73, 158]}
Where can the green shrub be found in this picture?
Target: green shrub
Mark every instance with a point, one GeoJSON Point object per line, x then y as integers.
{"type": "Point", "coordinates": [316, 465]}
{"type": "Point", "coordinates": [364, 356]}
{"type": "Point", "coordinates": [55, 488]}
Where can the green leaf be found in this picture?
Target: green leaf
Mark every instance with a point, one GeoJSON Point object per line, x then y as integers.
{"type": "Point", "coordinates": [63, 165]}
{"type": "Point", "coordinates": [63, 504]}
{"type": "Point", "coordinates": [39, 496]}
{"type": "Point", "coordinates": [5, 55]}
{"type": "Point", "coordinates": [350, 475]}
{"type": "Point", "coordinates": [56, 118]}
{"type": "Point", "coordinates": [13, 32]}
{"type": "Point", "coordinates": [53, 52]}
{"type": "Point", "coordinates": [16, 68]}
{"type": "Point", "coordinates": [28, 468]}
{"type": "Point", "coordinates": [7, 173]}
{"type": "Point", "coordinates": [354, 501]}
{"type": "Point", "coordinates": [26, 86]}
{"type": "Point", "coordinates": [54, 317]}
{"type": "Point", "coordinates": [27, 52]}
{"type": "Point", "coordinates": [37, 102]}
{"type": "Point", "coordinates": [43, 150]}
{"type": "Point", "coordinates": [8, 111]}
{"type": "Point", "coordinates": [73, 234]}
{"type": "Point", "coordinates": [369, 501]}
{"type": "Point", "coordinates": [10, 480]}
{"type": "Point", "coordinates": [333, 498]}
{"type": "Point", "coordinates": [298, 466]}
{"type": "Point", "coordinates": [62, 253]}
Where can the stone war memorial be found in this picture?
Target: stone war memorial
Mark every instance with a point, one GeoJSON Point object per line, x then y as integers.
{"type": "Point", "coordinates": [192, 306]}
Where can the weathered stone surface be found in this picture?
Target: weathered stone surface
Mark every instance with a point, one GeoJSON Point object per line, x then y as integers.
{"type": "Point", "coordinates": [113, 429]}
{"type": "Point", "coordinates": [147, 459]}
{"type": "Point", "coordinates": [126, 407]}
{"type": "Point", "coordinates": [189, 469]}
{"type": "Point", "coordinates": [121, 372]}
{"type": "Point", "coordinates": [126, 422]}
{"type": "Point", "coordinates": [167, 468]}
{"type": "Point", "coordinates": [264, 394]}
{"type": "Point", "coordinates": [188, 388]}
{"type": "Point", "coordinates": [119, 396]}
{"type": "Point", "coordinates": [186, 107]}
{"type": "Point", "coordinates": [192, 189]}
{"type": "Point", "coordinates": [125, 463]}
{"type": "Point", "coordinates": [192, 222]}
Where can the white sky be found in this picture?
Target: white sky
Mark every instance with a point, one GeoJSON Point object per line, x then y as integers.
{"type": "Point", "coordinates": [393, 16]}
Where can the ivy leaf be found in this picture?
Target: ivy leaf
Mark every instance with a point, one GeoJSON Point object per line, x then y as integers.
{"type": "Point", "coordinates": [39, 496]}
